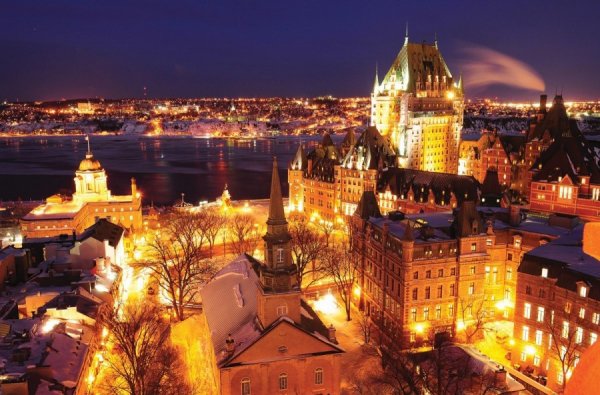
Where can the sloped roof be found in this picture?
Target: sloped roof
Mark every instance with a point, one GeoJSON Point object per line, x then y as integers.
{"type": "Point", "coordinates": [570, 155]}
{"type": "Point", "coordinates": [102, 230]}
{"type": "Point", "coordinates": [555, 122]}
{"type": "Point", "coordinates": [299, 162]}
{"type": "Point", "coordinates": [491, 185]}
{"type": "Point", "coordinates": [372, 150]}
{"type": "Point", "coordinates": [415, 61]}
{"type": "Point", "coordinates": [400, 181]}
{"type": "Point", "coordinates": [367, 206]}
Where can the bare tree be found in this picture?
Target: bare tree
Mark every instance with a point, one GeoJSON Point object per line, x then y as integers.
{"type": "Point", "coordinates": [215, 222]}
{"type": "Point", "coordinates": [472, 317]}
{"type": "Point", "coordinates": [307, 247]}
{"type": "Point", "coordinates": [177, 262]}
{"type": "Point", "coordinates": [338, 264]}
{"type": "Point", "coordinates": [243, 233]}
{"type": "Point", "coordinates": [365, 325]}
{"type": "Point", "coordinates": [566, 333]}
{"type": "Point", "coordinates": [327, 228]}
{"type": "Point", "coordinates": [142, 361]}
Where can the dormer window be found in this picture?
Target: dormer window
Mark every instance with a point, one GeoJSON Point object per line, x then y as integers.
{"type": "Point", "coordinates": [583, 291]}
{"type": "Point", "coordinates": [545, 272]}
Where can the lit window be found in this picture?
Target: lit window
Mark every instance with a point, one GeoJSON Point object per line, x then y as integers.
{"type": "Point", "coordinates": [525, 336]}
{"type": "Point", "coordinates": [283, 381]}
{"type": "Point", "coordinates": [582, 313]}
{"type": "Point", "coordinates": [565, 329]}
{"type": "Point", "coordinates": [473, 247]}
{"type": "Point", "coordinates": [593, 338]}
{"type": "Point", "coordinates": [246, 386]}
{"type": "Point", "coordinates": [536, 360]}
{"type": "Point", "coordinates": [318, 376]}
{"type": "Point", "coordinates": [596, 318]}
{"type": "Point", "coordinates": [527, 310]}
{"type": "Point", "coordinates": [582, 291]}
{"type": "Point", "coordinates": [579, 335]}
{"type": "Point", "coordinates": [471, 288]}
{"type": "Point", "coordinates": [544, 272]}
{"type": "Point", "coordinates": [540, 314]}
{"type": "Point", "coordinates": [413, 314]}
{"type": "Point", "coordinates": [539, 337]}
{"type": "Point", "coordinates": [523, 357]}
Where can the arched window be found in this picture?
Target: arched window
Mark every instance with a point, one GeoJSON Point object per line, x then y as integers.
{"type": "Point", "coordinates": [319, 376]}
{"type": "Point", "coordinates": [246, 386]}
{"type": "Point", "coordinates": [283, 381]}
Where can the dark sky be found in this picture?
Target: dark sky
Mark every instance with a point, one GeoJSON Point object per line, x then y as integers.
{"type": "Point", "coordinates": [223, 48]}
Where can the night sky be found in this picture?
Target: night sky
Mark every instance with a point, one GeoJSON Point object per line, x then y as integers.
{"type": "Point", "coordinates": [222, 48]}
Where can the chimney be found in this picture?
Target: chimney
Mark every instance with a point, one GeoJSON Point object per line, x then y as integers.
{"type": "Point", "coordinates": [331, 334]}
{"type": "Point", "coordinates": [500, 378]}
{"type": "Point", "coordinates": [229, 345]}
{"type": "Point", "coordinates": [543, 101]}
{"type": "Point", "coordinates": [514, 212]}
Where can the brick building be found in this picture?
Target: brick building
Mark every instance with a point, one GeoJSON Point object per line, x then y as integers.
{"type": "Point", "coordinates": [442, 272]}
{"type": "Point", "coordinates": [557, 312]}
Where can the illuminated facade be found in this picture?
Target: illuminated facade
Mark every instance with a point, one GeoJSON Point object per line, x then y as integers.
{"type": "Point", "coordinates": [557, 309]}
{"type": "Point", "coordinates": [419, 106]}
{"type": "Point", "coordinates": [565, 176]}
{"type": "Point", "coordinates": [266, 338]}
{"type": "Point", "coordinates": [91, 201]}
{"type": "Point", "coordinates": [441, 272]}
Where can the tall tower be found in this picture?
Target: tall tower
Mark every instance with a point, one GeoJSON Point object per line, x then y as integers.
{"type": "Point", "coordinates": [279, 292]}
{"type": "Point", "coordinates": [418, 106]}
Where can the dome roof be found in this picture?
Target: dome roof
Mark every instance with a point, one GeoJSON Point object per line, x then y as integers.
{"type": "Point", "coordinates": [89, 163]}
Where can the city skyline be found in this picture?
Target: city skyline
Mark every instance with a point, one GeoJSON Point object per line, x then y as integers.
{"type": "Point", "coordinates": [232, 49]}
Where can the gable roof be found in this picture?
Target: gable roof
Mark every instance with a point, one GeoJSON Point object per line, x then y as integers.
{"type": "Point", "coordinates": [229, 302]}
{"type": "Point", "coordinates": [102, 230]}
{"type": "Point", "coordinates": [371, 151]}
{"type": "Point", "coordinates": [442, 185]}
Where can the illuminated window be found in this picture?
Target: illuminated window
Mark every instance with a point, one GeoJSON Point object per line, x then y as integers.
{"type": "Point", "coordinates": [471, 288]}
{"type": "Point", "coordinates": [246, 386]}
{"type": "Point", "coordinates": [582, 313]}
{"type": "Point", "coordinates": [579, 335]}
{"type": "Point", "coordinates": [472, 270]}
{"type": "Point", "coordinates": [413, 314]}
{"type": "Point", "coordinates": [450, 310]}
{"type": "Point", "coordinates": [283, 381]}
{"type": "Point", "coordinates": [565, 329]}
{"type": "Point", "coordinates": [596, 318]}
{"type": "Point", "coordinates": [544, 272]}
{"type": "Point", "coordinates": [525, 335]}
{"type": "Point", "coordinates": [318, 376]}
{"type": "Point", "coordinates": [527, 310]}
{"type": "Point", "coordinates": [539, 337]}
{"type": "Point", "coordinates": [540, 317]}
{"type": "Point", "coordinates": [593, 338]}
{"type": "Point", "coordinates": [473, 247]}
{"type": "Point", "coordinates": [426, 313]}
{"type": "Point", "coordinates": [582, 291]}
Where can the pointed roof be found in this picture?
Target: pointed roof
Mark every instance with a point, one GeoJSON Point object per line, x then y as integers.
{"type": "Point", "coordinates": [276, 213]}
{"type": "Point", "coordinates": [376, 83]}
{"type": "Point", "coordinates": [327, 141]}
{"type": "Point", "coordinates": [369, 149]}
{"type": "Point", "coordinates": [408, 233]}
{"type": "Point", "coordinates": [367, 206]}
{"type": "Point", "coordinates": [299, 162]}
{"type": "Point", "coordinates": [491, 185]}
{"type": "Point", "coordinates": [350, 138]}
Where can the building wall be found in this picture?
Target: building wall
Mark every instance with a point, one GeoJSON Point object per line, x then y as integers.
{"type": "Point", "coordinates": [559, 305]}
{"type": "Point", "coordinates": [567, 198]}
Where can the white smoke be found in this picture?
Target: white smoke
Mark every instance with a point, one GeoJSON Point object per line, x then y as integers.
{"type": "Point", "coordinates": [483, 67]}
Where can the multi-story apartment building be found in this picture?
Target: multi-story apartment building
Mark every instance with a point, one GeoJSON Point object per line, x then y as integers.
{"type": "Point", "coordinates": [418, 106]}
{"type": "Point", "coordinates": [557, 312]}
{"type": "Point", "coordinates": [442, 272]}
{"type": "Point", "coordinates": [565, 178]}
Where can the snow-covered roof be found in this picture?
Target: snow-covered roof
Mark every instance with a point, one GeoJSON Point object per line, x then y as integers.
{"type": "Point", "coordinates": [229, 301]}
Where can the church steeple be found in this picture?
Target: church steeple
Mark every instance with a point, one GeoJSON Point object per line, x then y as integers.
{"type": "Point", "coordinates": [376, 83]}
{"type": "Point", "coordinates": [406, 35]}
{"type": "Point", "coordinates": [278, 254]}
{"type": "Point", "coordinates": [276, 213]}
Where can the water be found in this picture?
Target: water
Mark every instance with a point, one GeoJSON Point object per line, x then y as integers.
{"type": "Point", "coordinates": [35, 168]}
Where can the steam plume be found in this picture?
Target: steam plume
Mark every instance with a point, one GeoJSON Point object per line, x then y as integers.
{"type": "Point", "coordinates": [484, 67]}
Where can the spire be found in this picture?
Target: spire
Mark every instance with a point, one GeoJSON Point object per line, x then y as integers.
{"type": "Point", "coordinates": [406, 35]}
{"type": "Point", "coordinates": [435, 43]}
{"type": "Point", "coordinates": [276, 213]}
{"type": "Point", "coordinates": [89, 151]}
{"type": "Point", "coordinates": [460, 83]}
{"type": "Point", "coordinates": [376, 83]}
